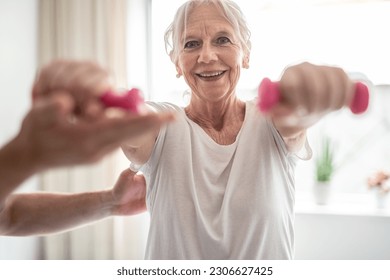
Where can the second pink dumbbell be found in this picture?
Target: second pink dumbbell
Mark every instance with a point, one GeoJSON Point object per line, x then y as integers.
{"type": "Point", "coordinates": [269, 95]}
{"type": "Point", "coordinates": [131, 101]}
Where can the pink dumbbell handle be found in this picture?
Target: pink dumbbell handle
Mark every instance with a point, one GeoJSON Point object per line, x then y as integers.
{"type": "Point", "coordinates": [129, 101]}
{"type": "Point", "coordinates": [269, 96]}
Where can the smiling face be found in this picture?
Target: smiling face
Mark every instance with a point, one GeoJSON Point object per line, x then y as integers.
{"type": "Point", "coordinates": [210, 57]}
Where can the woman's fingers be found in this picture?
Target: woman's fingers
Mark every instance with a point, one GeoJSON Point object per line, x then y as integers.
{"type": "Point", "coordinates": [117, 130]}
{"type": "Point", "coordinates": [311, 89]}
{"type": "Point", "coordinates": [86, 81]}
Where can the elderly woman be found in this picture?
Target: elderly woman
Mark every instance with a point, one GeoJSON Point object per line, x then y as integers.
{"type": "Point", "coordinates": [220, 182]}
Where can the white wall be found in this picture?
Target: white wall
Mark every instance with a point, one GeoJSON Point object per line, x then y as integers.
{"type": "Point", "coordinates": [18, 39]}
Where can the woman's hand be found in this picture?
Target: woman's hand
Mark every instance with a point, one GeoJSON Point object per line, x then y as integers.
{"type": "Point", "coordinates": [129, 194]}
{"type": "Point", "coordinates": [68, 124]}
{"type": "Point", "coordinates": [85, 81]}
{"type": "Point", "coordinates": [309, 92]}
{"type": "Point", "coordinates": [45, 212]}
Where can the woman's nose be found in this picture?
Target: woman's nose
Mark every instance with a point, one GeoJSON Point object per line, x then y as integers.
{"type": "Point", "coordinates": [207, 54]}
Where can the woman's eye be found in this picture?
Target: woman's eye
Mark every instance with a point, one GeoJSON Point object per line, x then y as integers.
{"type": "Point", "coordinates": [223, 40]}
{"type": "Point", "coordinates": [191, 44]}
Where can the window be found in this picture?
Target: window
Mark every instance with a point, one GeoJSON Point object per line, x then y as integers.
{"type": "Point", "coordinates": [350, 34]}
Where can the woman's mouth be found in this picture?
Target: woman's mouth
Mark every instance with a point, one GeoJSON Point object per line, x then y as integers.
{"type": "Point", "coordinates": [210, 76]}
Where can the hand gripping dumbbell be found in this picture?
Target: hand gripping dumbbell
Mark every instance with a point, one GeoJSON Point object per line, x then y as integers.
{"type": "Point", "coordinates": [269, 95]}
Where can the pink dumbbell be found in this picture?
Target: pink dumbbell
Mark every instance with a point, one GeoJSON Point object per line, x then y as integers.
{"type": "Point", "coordinates": [131, 100]}
{"type": "Point", "coordinates": [269, 96]}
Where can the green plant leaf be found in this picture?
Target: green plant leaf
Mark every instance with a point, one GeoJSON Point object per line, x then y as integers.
{"type": "Point", "coordinates": [324, 162]}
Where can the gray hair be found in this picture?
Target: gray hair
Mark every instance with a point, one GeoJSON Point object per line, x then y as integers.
{"type": "Point", "coordinates": [231, 11]}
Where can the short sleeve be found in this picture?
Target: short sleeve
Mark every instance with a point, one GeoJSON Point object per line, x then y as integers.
{"type": "Point", "coordinates": [148, 167]}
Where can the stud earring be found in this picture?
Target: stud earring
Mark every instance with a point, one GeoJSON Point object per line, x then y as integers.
{"type": "Point", "coordinates": [178, 75]}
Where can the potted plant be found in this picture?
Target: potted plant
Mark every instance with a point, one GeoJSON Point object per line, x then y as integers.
{"type": "Point", "coordinates": [324, 167]}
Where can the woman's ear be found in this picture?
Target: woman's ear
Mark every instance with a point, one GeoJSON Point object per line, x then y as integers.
{"type": "Point", "coordinates": [245, 61]}
{"type": "Point", "coordinates": [179, 72]}
{"type": "Point", "coordinates": [174, 61]}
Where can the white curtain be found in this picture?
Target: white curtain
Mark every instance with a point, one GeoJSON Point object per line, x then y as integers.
{"type": "Point", "coordinates": [89, 29]}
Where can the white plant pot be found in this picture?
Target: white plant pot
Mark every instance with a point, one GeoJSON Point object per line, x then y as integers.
{"type": "Point", "coordinates": [322, 192]}
{"type": "Point", "coordinates": [380, 198]}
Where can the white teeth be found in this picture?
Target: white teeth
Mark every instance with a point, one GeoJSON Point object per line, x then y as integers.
{"type": "Point", "coordinates": [208, 75]}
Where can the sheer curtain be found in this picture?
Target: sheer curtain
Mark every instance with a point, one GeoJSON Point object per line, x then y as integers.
{"type": "Point", "coordinates": [95, 30]}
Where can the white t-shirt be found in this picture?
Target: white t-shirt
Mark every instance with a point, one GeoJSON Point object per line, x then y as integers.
{"type": "Point", "coordinates": [211, 201]}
